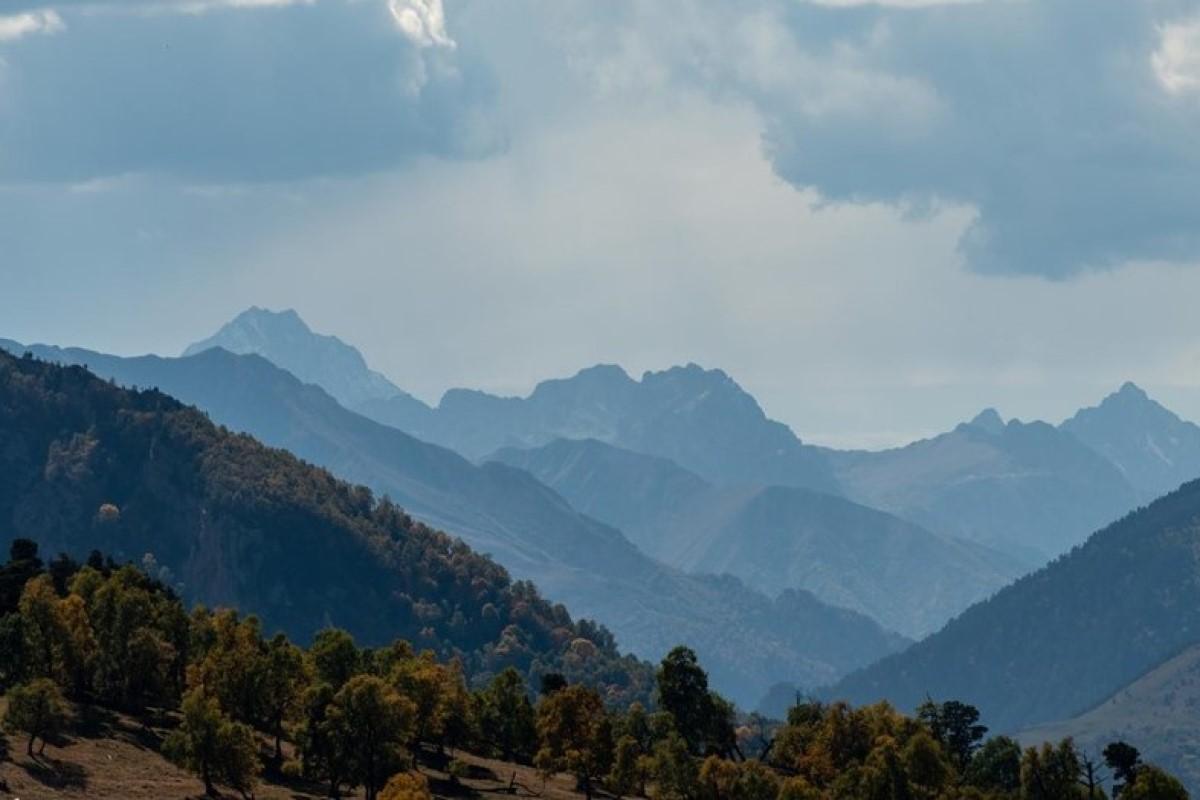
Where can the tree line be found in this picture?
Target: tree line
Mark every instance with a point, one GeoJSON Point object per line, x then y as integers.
{"type": "Point", "coordinates": [356, 717]}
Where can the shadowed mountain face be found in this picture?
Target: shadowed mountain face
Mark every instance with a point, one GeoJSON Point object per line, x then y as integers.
{"type": "Point", "coordinates": [1154, 449]}
{"type": "Point", "coordinates": [701, 419]}
{"type": "Point", "coordinates": [86, 465]}
{"type": "Point", "coordinates": [1157, 712]}
{"type": "Point", "coordinates": [1027, 489]}
{"type": "Point", "coordinates": [284, 339]}
{"type": "Point", "coordinates": [1065, 638]}
{"type": "Point", "coordinates": [749, 641]}
{"type": "Point", "coordinates": [774, 538]}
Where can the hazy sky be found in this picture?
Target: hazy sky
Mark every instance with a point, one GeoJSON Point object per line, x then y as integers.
{"type": "Point", "coordinates": [878, 217]}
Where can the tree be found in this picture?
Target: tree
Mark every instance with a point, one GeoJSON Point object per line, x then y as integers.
{"type": "Point", "coordinates": [506, 717]}
{"type": "Point", "coordinates": [234, 666]}
{"type": "Point", "coordinates": [702, 717]}
{"type": "Point", "coordinates": [627, 775]}
{"type": "Point", "coordinates": [406, 786]}
{"type": "Point", "coordinates": [43, 628]}
{"type": "Point", "coordinates": [335, 657]}
{"type": "Point", "coordinates": [79, 644]}
{"type": "Point", "coordinates": [38, 709]}
{"type": "Point", "coordinates": [575, 735]}
{"type": "Point", "coordinates": [1124, 760]}
{"type": "Point", "coordinates": [213, 746]}
{"type": "Point", "coordinates": [996, 766]}
{"type": "Point", "coordinates": [1152, 783]}
{"type": "Point", "coordinates": [956, 726]}
{"type": "Point", "coordinates": [674, 769]}
{"type": "Point", "coordinates": [283, 682]}
{"type": "Point", "coordinates": [372, 721]}
{"type": "Point", "coordinates": [1051, 772]}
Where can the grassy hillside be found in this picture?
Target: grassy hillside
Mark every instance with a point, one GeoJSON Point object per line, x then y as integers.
{"type": "Point", "coordinates": [1160, 711]}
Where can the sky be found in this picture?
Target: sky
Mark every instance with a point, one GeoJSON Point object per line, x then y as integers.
{"type": "Point", "coordinates": [878, 217]}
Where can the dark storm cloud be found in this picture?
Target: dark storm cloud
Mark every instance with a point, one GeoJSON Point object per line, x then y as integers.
{"type": "Point", "coordinates": [230, 91]}
{"type": "Point", "coordinates": [1058, 120]}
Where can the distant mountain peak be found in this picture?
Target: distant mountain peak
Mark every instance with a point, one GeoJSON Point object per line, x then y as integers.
{"type": "Point", "coordinates": [1129, 393]}
{"type": "Point", "coordinates": [988, 420]}
{"type": "Point", "coordinates": [1148, 442]}
{"type": "Point", "coordinates": [285, 339]}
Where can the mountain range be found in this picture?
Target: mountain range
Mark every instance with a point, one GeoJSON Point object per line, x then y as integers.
{"type": "Point", "coordinates": [749, 640]}
{"type": "Point", "coordinates": [1059, 641]}
{"type": "Point", "coordinates": [1029, 489]}
{"type": "Point", "coordinates": [699, 418]}
{"type": "Point", "coordinates": [774, 538]}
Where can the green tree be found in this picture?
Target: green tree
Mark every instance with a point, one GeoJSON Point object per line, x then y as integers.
{"type": "Point", "coordinates": [373, 722]}
{"type": "Point", "coordinates": [283, 683]}
{"type": "Point", "coordinates": [575, 735]}
{"type": "Point", "coordinates": [213, 746]}
{"type": "Point", "coordinates": [1051, 772]}
{"type": "Point", "coordinates": [996, 767]}
{"type": "Point", "coordinates": [702, 717]}
{"type": "Point", "coordinates": [42, 623]}
{"type": "Point", "coordinates": [506, 717]}
{"type": "Point", "coordinates": [1152, 783]}
{"type": "Point", "coordinates": [335, 658]}
{"type": "Point", "coordinates": [38, 709]}
{"type": "Point", "coordinates": [628, 774]}
{"type": "Point", "coordinates": [1124, 760]}
{"type": "Point", "coordinates": [956, 726]}
{"type": "Point", "coordinates": [674, 770]}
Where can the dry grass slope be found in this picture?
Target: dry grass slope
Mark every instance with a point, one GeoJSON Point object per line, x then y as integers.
{"type": "Point", "coordinates": [108, 756]}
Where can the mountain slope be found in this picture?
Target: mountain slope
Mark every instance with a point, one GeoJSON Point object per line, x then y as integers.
{"type": "Point", "coordinates": [531, 530]}
{"type": "Point", "coordinates": [1160, 711]}
{"type": "Point", "coordinates": [1027, 489]}
{"type": "Point", "coordinates": [1061, 640]}
{"type": "Point", "coordinates": [774, 538]}
{"type": "Point", "coordinates": [1153, 448]}
{"type": "Point", "coordinates": [284, 339]}
{"type": "Point", "coordinates": [85, 465]}
{"type": "Point", "coordinates": [700, 418]}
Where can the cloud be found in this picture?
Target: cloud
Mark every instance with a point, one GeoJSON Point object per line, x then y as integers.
{"type": "Point", "coordinates": [282, 92]}
{"type": "Point", "coordinates": [1177, 60]}
{"type": "Point", "coordinates": [1068, 125]}
{"type": "Point", "coordinates": [15, 26]}
{"type": "Point", "coordinates": [422, 21]}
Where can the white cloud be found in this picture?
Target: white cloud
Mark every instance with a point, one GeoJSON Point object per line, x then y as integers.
{"type": "Point", "coordinates": [16, 26]}
{"type": "Point", "coordinates": [422, 21]}
{"type": "Point", "coordinates": [1177, 60]}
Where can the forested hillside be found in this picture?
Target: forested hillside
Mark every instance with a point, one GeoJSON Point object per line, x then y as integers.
{"type": "Point", "coordinates": [85, 465]}
{"type": "Point", "coordinates": [506, 513]}
{"type": "Point", "coordinates": [1067, 637]}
